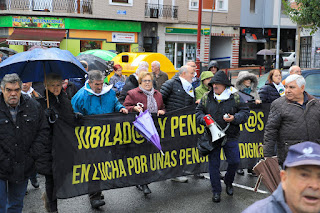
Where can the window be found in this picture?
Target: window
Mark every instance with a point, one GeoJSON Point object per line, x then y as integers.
{"type": "Point", "coordinates": [123, 48]}
{"type": "Point", "coordinates": [180, 53]}
{"type": "Point", "coordinates": [312, 84]}
{"type": "Point", "coordinates": [222, 5]}
{"type": "Point", "coordinates": [252, 6]}
{"type": "Point", "coordinates": [121, 2]}
{"type": "Point", "coordinates": [219, 5]}
{"type": "Point", "coordinates": [89, 45]}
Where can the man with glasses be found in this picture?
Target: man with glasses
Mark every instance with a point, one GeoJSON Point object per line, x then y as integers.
{"type": "Point", "coordinates": [23, 136]}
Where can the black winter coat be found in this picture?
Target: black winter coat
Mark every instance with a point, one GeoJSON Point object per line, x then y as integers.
{"type": "Point", "coordinates": [61, 106]}
{"type": "Point", "coordinates": [209, 105]}
{"type": "Point", "coordinates": [21, 143]}
{"type": "Point", "coordinates": [173, 95]}
{"type": "Point", "coordinates": [131, 83]}
{"type": "Point", "coordinates": [268, 93]}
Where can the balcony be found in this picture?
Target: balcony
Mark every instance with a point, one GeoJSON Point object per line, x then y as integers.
{"type": "Point", "coordinates": [161, 11]}
{"type": "Point", "coordinates": [57, 6]}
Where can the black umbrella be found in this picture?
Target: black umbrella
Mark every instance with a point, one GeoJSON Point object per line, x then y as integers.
{"type": "Point", "coordinates": [94, 62]}
{"type": "Point", "coordinates": [8, 50]}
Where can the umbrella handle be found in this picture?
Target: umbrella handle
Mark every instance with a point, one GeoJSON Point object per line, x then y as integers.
{"type": "Point", "coordinates": [140, 105]}
{"type": "Point", "coordinates": [161, 152]}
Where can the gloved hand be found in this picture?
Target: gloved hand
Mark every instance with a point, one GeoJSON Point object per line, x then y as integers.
{"type": "Point", "coordinates": [78, 115]}
{"type": "Point", "coordinates": [78, 118]}
{"type": "Point", "coordinates": [51, 115]}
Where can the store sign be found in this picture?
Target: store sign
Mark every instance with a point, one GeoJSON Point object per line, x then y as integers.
{"type": "Point", "coordinates": [38, 22]}
{"type": "Point", "coordinates": [123, 37]}
{"type": "Point", "coordinates": [193, 31]}
{"type": "Point", "coordinates": [34, 43]}
{"type": "Point", "coordinates": [121, 12]}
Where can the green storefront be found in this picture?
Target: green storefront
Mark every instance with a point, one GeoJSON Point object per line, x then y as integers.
{"type": "Point", "coordinates": [73, 34]}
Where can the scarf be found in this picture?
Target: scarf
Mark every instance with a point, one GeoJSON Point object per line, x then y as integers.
{"type": "Point", "coordinates": [247, 90]}
{"type": "Point", "coordinates": [187, 86]}
{"type": "Point", "coordinates": [225, 95]}
{"type": "Point", "coordinates": [105, 89]}
{"type": "Point", "coordinates": [280, 88]}
{"type": "Point", "coordinates": [151, 101]}
{"type": "Point", "coordinates": [29, 92]}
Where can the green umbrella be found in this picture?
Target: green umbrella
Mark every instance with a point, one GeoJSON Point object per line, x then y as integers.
{"type": "Point", "coordinates": [104, 54]}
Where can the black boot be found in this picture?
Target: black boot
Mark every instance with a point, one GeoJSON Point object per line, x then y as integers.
{"type": "Point", "coordinates": [146, 189]}
{"type": "Point", "coordinates": [240, 172]}
{"type": "Point", "coordinates": [216, 197]}
{"type": "Point", "coordinates": [34, 182]}
{"type": "Point", "coordinates": [97, 203]}
{"type": "Point", "coordinates": [229, 189]}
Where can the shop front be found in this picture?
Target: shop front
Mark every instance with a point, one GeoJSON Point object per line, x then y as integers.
{"type": "Point", "coordinates": [74, 34]}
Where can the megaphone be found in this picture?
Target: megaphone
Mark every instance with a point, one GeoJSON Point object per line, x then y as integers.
{"type": "Point", "coordinates": [216, 131]}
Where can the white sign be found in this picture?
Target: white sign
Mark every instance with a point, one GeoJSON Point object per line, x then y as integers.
{"type": "Point", "coordinates": [34, 43]}
{"type": "Point", "coordinates": [123, 37]}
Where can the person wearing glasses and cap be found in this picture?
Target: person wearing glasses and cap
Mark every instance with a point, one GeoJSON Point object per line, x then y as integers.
{"type": "Point", "coordinates": [299, 190]}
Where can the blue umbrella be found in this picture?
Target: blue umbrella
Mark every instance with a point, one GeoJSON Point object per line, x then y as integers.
{"type": "Point", "coordinates": [32, 66]}
{"type": "Point", "coordinates": [145, 126]}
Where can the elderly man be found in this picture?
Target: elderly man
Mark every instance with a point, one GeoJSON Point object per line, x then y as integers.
{"type": "Point", "coordinates": [23, 136]}
{"type": "Point", "coordinates": [159, 76]}
{"type": "Point", "coordinates": [299, 190]}
{"type": "Point", "coordinates": [177, 93]}
{"type": "Point", "coordinates": [92, 99]}
{"type": "Point", "coordinates": [295, 69]}
{"type": "Point", "coordinates": [224, 105]}
{"type": "Point", "coordinates": [28, 90]}
{"type": "Point", "coordinates": [293, 118]}
{"type": "Point", "coordinates": [195, 79]}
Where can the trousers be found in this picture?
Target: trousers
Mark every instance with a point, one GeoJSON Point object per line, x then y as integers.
{"type": "Point", "coordinates": [11, 196]}
{"type": "Point", "coordinates": [231, 151]}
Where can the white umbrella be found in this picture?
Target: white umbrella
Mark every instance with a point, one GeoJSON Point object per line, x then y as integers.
{"type": "Point", "coordinates": [265, 52]}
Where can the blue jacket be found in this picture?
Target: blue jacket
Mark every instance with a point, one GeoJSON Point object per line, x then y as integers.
{"type": "Point", "coordinates": [273, 203]}
{"type": "Point", "coordinates": [268, 93]}
{"type": "Point", "coordinates": [88, 103]}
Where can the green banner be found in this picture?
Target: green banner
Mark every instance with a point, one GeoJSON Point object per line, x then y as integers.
{"type": "Point", "coordinates": [38, 22]}
{"type": "Point", "coordinates": [193, 31]}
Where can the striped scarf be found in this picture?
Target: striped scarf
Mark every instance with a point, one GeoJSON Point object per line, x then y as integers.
{"type": "Point", "coordinates": [151, 101]}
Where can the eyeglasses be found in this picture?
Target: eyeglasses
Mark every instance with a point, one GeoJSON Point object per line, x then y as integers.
{"type": "Point", "coordinates": [146, 81]}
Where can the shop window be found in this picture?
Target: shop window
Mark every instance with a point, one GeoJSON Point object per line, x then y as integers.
{"type": "Point", "coordinates": [89, 45]}
{"type": "Point", "coordinates": [249, 51]}
{"type": "Point", "coordinates": [121, 2]}
{"type": "Point", "coordinates": [123, 48]}
{"type": "Point", "coordinates": [180, 53]}
{"type": "Point", "coordinates": [170, 51]}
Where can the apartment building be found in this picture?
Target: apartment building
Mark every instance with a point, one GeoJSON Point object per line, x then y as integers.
{"type": "Point", "coordinates": [165, 26]}
{"type": "Point", "coordinates": [258, 30]}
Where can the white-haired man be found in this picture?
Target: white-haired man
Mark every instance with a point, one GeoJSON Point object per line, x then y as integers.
{"type": "Point", "coordinates": [293, 118]}
{"type": "Point", "coordinates": [159, 76]}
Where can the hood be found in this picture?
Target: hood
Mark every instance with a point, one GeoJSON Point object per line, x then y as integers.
{"type": "Point", "coordinates": [221, 78]}
{"type": "Point", "coordinates": [213, 64]}
{"type": "Point", "coordinates": [205, 74]}
{"type": "Point", "coordinates": [105, 89]}
{"type": "Point", "coordinates": [244, 75]}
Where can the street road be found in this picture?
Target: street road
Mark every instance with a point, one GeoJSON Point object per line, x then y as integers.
{"type": "Point", "coordinates": [166, 196]}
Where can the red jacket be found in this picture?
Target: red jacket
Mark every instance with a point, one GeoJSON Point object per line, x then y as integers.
{"type": "Point", "coordinates": [136, 95]}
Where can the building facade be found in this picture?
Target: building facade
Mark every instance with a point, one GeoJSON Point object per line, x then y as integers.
{"type": "Point", "coordinates": [258, 30]}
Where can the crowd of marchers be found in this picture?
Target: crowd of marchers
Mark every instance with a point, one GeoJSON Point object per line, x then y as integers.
{"type": "Point", "coordinates": [28, 113]}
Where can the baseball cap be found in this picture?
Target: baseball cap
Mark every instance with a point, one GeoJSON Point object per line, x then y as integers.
{"type": "Point", "coordinates": [305, 153]}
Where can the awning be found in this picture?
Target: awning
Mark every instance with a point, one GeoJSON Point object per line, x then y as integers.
{"type": "Point", "coordinates": [253, 38]}
{"type": "Point", "coordinates": [39, 37]}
